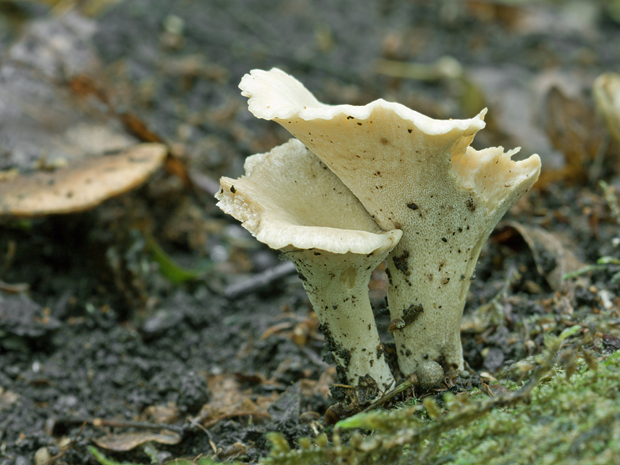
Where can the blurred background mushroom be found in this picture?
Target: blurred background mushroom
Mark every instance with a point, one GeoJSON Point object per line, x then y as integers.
{"type": "Point", "coordinates": [63, 148]}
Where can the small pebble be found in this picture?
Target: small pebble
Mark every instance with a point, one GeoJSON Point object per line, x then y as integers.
{"type": "Point", "coordinates": [41, 456]}
{"type": "Point", "coordinates": [21, 460]}
{"type": "Point", "coordinates": [429, 374]}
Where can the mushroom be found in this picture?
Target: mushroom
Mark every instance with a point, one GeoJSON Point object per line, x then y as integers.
{"type": "Point", "coordinates": [81, 186]}
{"type": "Point", "coordinates": [292, 202]}
{"type": "Point", "coordinates": [62, 149]}
{"type": "Point", "coordinates": [606, 91]}
{"type": "Point", "coordinates": [419, 175]}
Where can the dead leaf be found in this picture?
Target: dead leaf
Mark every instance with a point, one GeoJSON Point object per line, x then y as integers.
{"type": "Point", "coordinates": [506, 14]}
{"type": "Point", "coordinates": [167, 414]}
{"type": "Point", "coordinates": [139, 128]}
{"type": "Point", "coordinates": [573, 129]}
{"type": "Point", "coordinates": [195, 66]}
{"type": "Point", "coordinates": [277, 328]}
{"type": "Point", "coordinates": [494, 390]}
{"type": "Point", "coordinates": [228, 400]}
{"type": "Point", "coordinates": [233, 451]}
{"type": "Point", "coordinates": [127, 441]}
{"type": "Point", "coordinates": [611, 343]}
{"type": "Point", "coordinates": [553, 259]}
{"type": "Point", "coordinates": [83, 185]}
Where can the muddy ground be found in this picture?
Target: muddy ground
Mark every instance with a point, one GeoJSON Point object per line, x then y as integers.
{"type": "Point", "coordinates": [97, 341]}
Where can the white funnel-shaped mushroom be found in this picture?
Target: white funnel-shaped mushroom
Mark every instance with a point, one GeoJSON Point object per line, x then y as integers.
{"type": "Point", "coordinates": [292, 202]}
{"type": "Point", "coordinates": [415, 174]}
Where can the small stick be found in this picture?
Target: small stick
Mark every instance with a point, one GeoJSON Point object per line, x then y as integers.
{"type": "Point", "coordinates": [71, 445]}
{"type": "Point", "coordinates": [14, 288]}
{"type": "Point", "coordinates": [407, 384]}
{"type": "Point", "coordinates": [120, 424]}
{"type": "Point", "coordinates": [259, 280]}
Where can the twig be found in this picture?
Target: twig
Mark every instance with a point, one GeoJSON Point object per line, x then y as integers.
{"type": "Point", "coordinates": [194, 424]}
{"type": "Point", "coordinates": [259, 280]}
{"type": "Point", "coordinates": [407, 384]}
{"type": "Point", "coordinates": [71, 445]}
{"type": "Point", "coordinates": [443, 68]}
{"type": "Point", "coordinates": [197, 422]}
{"type": "Point", "coordinates": [240, 413]}
{"type": "Point", "coordinates": [14, 288]}
{"type": "Point", "coordinates": [120, 424]}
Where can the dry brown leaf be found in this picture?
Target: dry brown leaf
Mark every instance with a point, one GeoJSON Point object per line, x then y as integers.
{"type": "Point", "coordinates": [162, 413]}
{"type": "Point", "coordinates": [127, 441]}
{"type": "Point", "coordinates": [277, 328]}
{"type": "Point", "coordinates": [81, 186]}
{"type": "Point", "coordinates": [506, 14]}
{"type": "Point", "coordinates": [232, 451]}
{"type": "Point", "coordinates": [573, 129]}
{"type": "Point", "coordinates": [553, 259]}
{"type": "Point", "coordinates": [139, 128]}
{"type": "Point", "coordinates": [229, 401]}
{"type": "Point", "coordinates": [327, 378]}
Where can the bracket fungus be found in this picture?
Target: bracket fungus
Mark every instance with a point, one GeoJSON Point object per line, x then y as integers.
{"type": "Point", "coordinates": [292, 202]}
{"type": "Point", "coordinates": [418, 175]}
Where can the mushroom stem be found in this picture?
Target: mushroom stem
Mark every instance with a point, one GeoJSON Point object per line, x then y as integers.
{"type": "Point", "coordinates": [430, 270]}
{"type": "Point", "coordinates": [343, 307]}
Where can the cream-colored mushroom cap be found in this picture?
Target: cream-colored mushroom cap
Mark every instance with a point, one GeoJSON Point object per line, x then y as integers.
{"type": "Point", "coordinates": [383, 149]}
{"type": "Point", "coordinates": [289, 198]}
{"type": "Point", "coordinates": [82, 185]}
{"type": "Point", "coordinates": [276, 95]}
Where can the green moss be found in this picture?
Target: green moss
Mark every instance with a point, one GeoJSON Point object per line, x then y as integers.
{"type": "Point", "coordinates": [546, 421]}
{"type": "Point", "coordinates": [549, 420]}
{"type": "Point", "coordinates": [567, 421]}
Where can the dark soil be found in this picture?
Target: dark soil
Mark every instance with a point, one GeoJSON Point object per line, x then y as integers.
{"type": "Point", "coordinates": [97, 341]}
